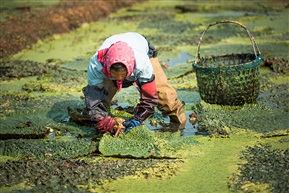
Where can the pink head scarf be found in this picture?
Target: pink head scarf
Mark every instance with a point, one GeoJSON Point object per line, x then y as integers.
{"type": "Point", "coordinates": [119, 52]}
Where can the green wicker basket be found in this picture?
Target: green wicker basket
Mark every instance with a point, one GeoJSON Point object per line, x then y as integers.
{"type": "Point", "coordinates": [228, 79]}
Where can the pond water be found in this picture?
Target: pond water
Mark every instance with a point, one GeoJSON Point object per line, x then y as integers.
{"type": "Point", "coordinates": [182, 58]}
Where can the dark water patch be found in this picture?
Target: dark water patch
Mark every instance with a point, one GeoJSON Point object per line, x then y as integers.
{"type": "Point", "coordinates": [189, 97]}
{"type": "Point", "coordinates": [58, 111]}
{"type": "Point", "coordinates": [162, 124]}
{"type": "Point", "coordinates": [191, 127]}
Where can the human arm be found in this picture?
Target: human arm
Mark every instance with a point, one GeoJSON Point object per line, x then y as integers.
{"type": "Point", "coordinates": [95, 96]}
{"type": "Point", "coordinates": [94, 99]}
{"type": "Point", "coordinates": [145, 108]}
{"type": "Point", "coordinates": [148, 100]}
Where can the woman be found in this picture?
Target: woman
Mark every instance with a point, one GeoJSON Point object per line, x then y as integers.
{"type": "Point", "coordinates": [121, 61]}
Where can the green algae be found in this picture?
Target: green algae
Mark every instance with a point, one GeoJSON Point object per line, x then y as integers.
{"type": "Point", "coordinates": [207, 168]}
{"type": "Point", "coordinates": [280, 80]}
{"type": "Point", "coordinates": [15, 85]}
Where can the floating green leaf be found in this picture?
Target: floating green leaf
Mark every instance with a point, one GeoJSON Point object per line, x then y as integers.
{"type": "Point", "coordinates": [142, 142]}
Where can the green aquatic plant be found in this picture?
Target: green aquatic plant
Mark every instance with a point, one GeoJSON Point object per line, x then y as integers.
{"type": "Point", "coordinates": [120, 113]}
{"type": "Point", "coordinates": [274, 90]}
{"type": "Point", "coordinates": [21, 69]}
{"type": "Point", "coordinates": [214, 118]}
{"type": "Point", "coordinates": [16, 103]}
{"type": "Point", "coordinates": [35, 126]}
{"type": "Point", "coordinates": [264, 166]}
{"type": "Point", "coordinates": [24, 130]}
{"type": "Point", "coordinates": [64, 79]}
{"type": "Point", "coordinates": [46, 149]}
{"type": "Point", "coordinates": [166, 23]}
{"type": "Point", "coordinates": [60, 175]}
{"type": "Point", "coordinates": [79, 175]}
{"type": "Point", "coordinates": [142, 142]}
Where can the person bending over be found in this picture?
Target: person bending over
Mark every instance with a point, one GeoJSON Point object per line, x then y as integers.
{"type": "Point", "coordinates": [121, 61]}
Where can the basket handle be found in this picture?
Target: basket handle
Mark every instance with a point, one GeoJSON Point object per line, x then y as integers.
{"type": "Point", "coordinates": [229, 21]}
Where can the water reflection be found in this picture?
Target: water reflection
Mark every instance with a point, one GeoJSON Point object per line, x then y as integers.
{"type": "Point", "coordinates": [163, 125]}
{"type": "Point", "coordinates": [182, 58]}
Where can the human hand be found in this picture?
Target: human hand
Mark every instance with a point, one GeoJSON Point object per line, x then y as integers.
{"type": "Point", "coordinates": [105, 124]}
{"type": "Point", "coordinates": [130, 124]}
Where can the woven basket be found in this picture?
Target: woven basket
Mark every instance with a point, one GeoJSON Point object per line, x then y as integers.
{"type": "Point", "coordinates": [228, 79]}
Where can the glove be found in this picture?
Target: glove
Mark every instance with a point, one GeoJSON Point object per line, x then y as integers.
{"type": "Point", "coordinates": [130, 124]}
{"type": "Point", "coordinates": [105, 124]}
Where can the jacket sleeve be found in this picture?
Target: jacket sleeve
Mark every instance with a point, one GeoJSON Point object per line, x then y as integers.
{"type": "Point", "coordinates": [95, 75]}
{"type": "Point", "coordinates": [94, 98]}
{"type": "Point", "coordinates": [148, 101]}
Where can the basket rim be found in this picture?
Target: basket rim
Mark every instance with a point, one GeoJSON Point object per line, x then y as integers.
{"type": "Point", "coordinates": [256, 61]}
